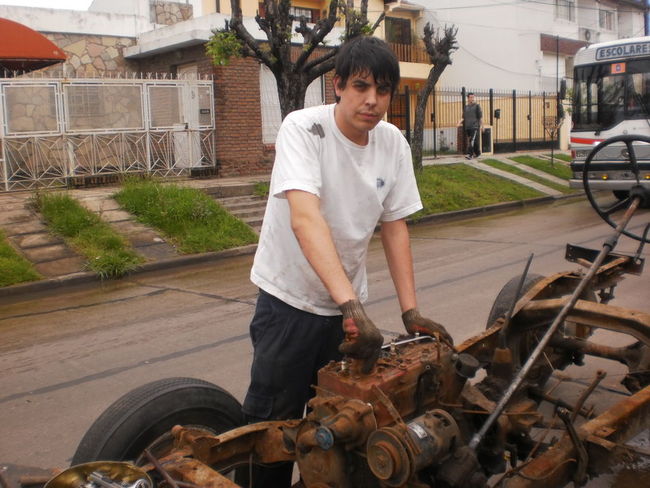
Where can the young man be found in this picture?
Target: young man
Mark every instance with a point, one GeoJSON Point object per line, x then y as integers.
{"type": "Point", "coordinates": [473, 118]}
{"type": "Point", "coordinates": [339, 170]}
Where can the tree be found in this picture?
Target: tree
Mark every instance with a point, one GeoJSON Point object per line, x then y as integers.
{"type": "Point", "coordinates": [293, 74]}
{"type": "Point", "coordinates": [439, 46]}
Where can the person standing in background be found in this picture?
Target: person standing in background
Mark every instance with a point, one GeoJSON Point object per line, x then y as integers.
{"type": "Point", "coordinates": [473, 120]}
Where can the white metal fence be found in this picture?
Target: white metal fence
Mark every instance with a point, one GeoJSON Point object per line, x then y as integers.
{"type": "Point", "coordinates": [55, 130]}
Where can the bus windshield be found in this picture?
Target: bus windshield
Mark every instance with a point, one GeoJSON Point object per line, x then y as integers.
{"type": "Point", "coordinates": [606, 94]}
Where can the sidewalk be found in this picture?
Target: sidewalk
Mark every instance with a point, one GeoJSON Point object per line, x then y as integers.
{"type": "Point", "coordinates": [60, 265]}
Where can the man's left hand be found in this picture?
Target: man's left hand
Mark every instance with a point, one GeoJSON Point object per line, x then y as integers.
{"type": "Point", "coordinates": [414, 322]}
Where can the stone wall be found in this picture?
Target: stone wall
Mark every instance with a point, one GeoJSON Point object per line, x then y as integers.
{"type": "Point", "coordinates": [31, 109]}
{"type": "Point", "coordinates": [169, 13]}
{"type": "Point", "coordinates": [91, 56]}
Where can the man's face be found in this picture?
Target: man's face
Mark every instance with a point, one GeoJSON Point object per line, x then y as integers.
{"type": "Point", "coordinates": [470, 99]}
{"type": "Point", "coordinates": [363, 104]}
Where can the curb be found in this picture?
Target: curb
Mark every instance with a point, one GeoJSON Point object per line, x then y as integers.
{"type": "Point", "coordinates": [89, 277]}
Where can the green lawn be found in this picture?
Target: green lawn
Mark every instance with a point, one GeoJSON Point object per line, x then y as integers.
{"type": "Point", "coordinates": [13, 267]}
{"type": "Point", "coordinates": [458, 186]}
{"type": "Point", "coordinates": [559, 170]}
{"type": "Point", "coordinates": [563, 157]}
{"type": "Point", "coordinates": [192, 220]}
{"type": "Point", "coordinates": [519, 172]}
{"type": "Point", "coordinates": [108, 254]}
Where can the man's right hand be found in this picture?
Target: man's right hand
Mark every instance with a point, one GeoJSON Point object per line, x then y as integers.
{"type": "Point", "coordinates": [362, 339]}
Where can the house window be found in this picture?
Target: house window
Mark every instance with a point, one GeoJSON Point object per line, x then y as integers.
{"type": "Point", "coordinates": [298, 12]}
{"type": "Point", "coordinates": [606, 19]}
{"type": "Point", "coordinates": [398, 31]}
{"type": "Point", "coordinates": [311, 14]}
{"type": "Point", "coordinates": [565, 9]}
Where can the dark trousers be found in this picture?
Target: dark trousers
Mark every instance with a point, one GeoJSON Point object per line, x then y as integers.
{"type": "Point", "coordinates": [289, 347]}
{"type": "Point", "coordinates": [473, 142]}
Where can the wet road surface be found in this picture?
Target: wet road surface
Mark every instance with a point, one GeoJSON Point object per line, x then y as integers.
{"type": "Point", "coordinates": [65, 357]}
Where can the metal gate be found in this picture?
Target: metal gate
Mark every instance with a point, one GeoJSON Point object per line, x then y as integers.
{"type": "Point", "coordinates": [517, 118]}
{"type": "Point", "coordinates": [54, 132]}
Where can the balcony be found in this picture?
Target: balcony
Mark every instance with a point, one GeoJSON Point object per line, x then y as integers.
{"type": "Point", "coordinates": [410, 53]}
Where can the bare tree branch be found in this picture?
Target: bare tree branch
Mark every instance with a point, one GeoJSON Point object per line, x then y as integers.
{"type": "Point", "coordinates": [277, 23]}
{"type": "Point", "coordinates": [439, 46]}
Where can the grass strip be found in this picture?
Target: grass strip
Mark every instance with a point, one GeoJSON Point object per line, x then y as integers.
{"type": "Point", "coordinates": [564, 157]}
{"type": "Point", "coordinates": [13, 267]}
{"type": "Point", "coordinates": [192, 220]}
{"type": "Point", "coordinates": [559, 170]}
{"type": "Point", "coordinates": [525, 174]}
{"type": "Point", "coordinates": [458, 186]}
{"type": "Point", "coordinates": [262, 189]}
{"type": "Point", "coordinates": [106, 251]}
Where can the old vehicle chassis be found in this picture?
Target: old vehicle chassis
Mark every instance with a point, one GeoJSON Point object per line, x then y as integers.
{"type": "Point", "coordinates": [416, 420]}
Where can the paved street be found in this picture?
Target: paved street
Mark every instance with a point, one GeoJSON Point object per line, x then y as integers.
{"type": "Point", "coordinates": [64, 358]}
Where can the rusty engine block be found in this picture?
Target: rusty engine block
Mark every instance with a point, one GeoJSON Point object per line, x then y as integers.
{"type": "Point", "coordinates": [391, 424]}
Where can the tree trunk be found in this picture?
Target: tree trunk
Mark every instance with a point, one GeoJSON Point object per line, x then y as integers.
{"type": "Point", "coordinates": [418, 126]}
{"type": "Point", "coordinates": [291, 92]}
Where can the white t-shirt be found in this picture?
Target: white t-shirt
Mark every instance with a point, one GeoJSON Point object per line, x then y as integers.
{"type": "Point", "coordinates": [358, 186]}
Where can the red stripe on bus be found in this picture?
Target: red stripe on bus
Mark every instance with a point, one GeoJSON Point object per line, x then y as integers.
{"type": "Point", "coordinates": [579, 140]}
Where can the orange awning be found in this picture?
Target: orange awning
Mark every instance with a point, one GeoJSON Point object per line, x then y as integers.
{"type": "Point", "coordinates": [24, 49]}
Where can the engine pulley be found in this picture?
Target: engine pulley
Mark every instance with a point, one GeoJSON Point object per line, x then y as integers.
{"type": "Point", "coordinates": [395, 454]}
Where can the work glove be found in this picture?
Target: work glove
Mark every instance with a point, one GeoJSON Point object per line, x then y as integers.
{"type": "Point", "coordinates": [362, 339]}
{"type": "Point", "coordinates": [414, 322]}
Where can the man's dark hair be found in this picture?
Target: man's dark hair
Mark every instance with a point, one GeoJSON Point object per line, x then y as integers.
{"type": "Point", "coordinates": [367, 54]}
{"type": "Point", "coordinates": [470, 93]}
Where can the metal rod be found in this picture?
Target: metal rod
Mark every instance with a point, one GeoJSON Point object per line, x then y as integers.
{"type": "Point", "coordinates": [515, 299]}
{"type": "Point", "coordinates": [608, 245]}
{"type": "Point", "coordinates": [160, 469]}
{"type": "Point", "coordinates": [406, 341]}
{"type": "Point", "coordinates": [600, 374]}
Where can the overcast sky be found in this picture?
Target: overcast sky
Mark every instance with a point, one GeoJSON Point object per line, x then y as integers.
{"type": "Point", "coordinates": [64, 4]}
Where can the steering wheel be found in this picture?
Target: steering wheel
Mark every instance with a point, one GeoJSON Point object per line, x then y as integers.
{"type": "Point", "coordinates": [637, 190]}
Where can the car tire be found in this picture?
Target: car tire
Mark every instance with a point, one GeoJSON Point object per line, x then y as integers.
{"type": "Point", "coordinates": [143, 417]}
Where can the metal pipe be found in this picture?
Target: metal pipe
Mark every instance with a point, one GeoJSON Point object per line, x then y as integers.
{"type": "Point", "coordinates": [600, 374]}
{"type": "Point", "coordinates": [608, 245]}
{"type": "Point", "coordinates": [156, 464]}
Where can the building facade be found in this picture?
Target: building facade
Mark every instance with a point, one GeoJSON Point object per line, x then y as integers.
{"type": "Point", "coordinates": [523, 45]}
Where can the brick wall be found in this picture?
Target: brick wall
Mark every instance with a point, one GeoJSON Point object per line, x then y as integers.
{"type": "Point", "coordinates": [238, 115]}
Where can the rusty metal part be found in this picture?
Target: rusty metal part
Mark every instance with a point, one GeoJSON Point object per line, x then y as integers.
{"type": "Point", "coordinates": [394, 461]}
{"type": "Point", "coordinates": [197, 473]}
{"type": "Point", "coordinates": [600, 435]}
{"type": "Point", "coordinates": [318, 466]}
{"type": "Point", "coordinates": [610, 317]}
{"type": "Point", "coordinates": [264, 440]}
{"type": "Point", "coordinates": [541, 395]}
{"type": "Point", "coordinates": [342, 421]}
{"type": "Point", "coordinates": [608, 245]}
{"type": "Point", "coordinates": [614, 263]}
{"type": "Point", "coordinates": [631, 355]}
{"type": "Point", "coordinates": [600, 375]}
{"type": "Point", "coordinates": [160, 469]}
{"type": "Point", "coordinates": [397, 376]}
{"type": "Point", "coordinates": [580, 473]}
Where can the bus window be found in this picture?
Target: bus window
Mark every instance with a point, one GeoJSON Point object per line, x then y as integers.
{"type": "Point", "coordinates": [611, 100]}
{"type": "Point", "coordinates": [599, 99]}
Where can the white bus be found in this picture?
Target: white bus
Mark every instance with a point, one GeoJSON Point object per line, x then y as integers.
{"type": "Point", "coordinates": [611, 97]}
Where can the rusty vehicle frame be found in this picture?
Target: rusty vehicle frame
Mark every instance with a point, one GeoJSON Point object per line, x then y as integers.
{"type": "Point", "coordinates": [416, 420]}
